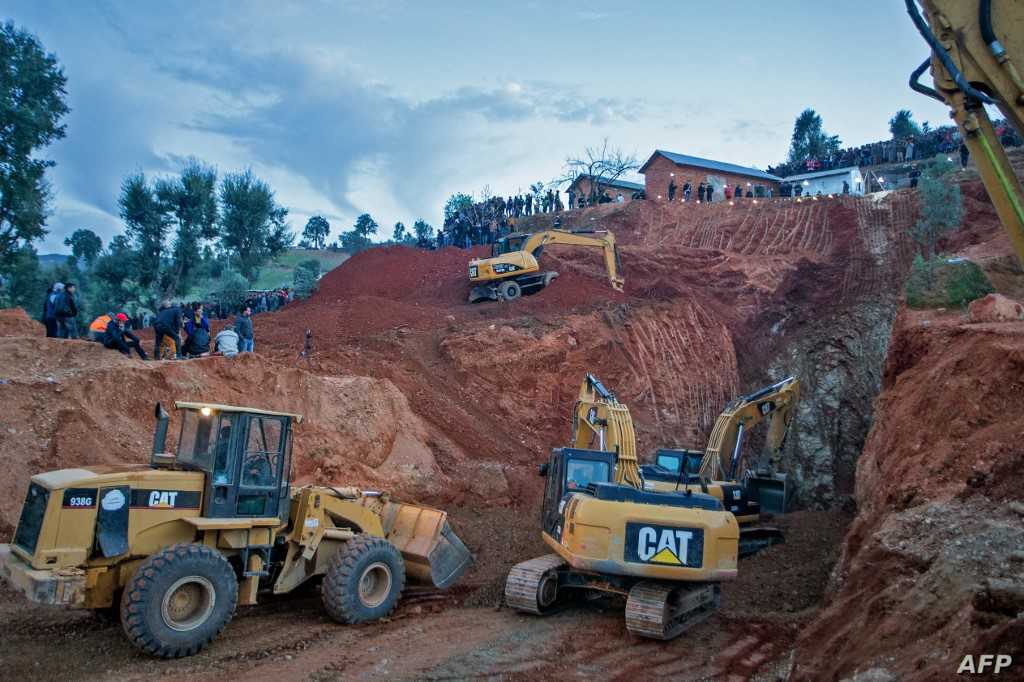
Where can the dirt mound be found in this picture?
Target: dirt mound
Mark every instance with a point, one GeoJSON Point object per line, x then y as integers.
{"type": "Point", "coordinates": [71, 403]}
{"type": "Point", "coordinates": [936, 530]}
{"type": "Point", "coordinates": [16, 322]}
{"type": "Point", "coordinates": [995, 308]}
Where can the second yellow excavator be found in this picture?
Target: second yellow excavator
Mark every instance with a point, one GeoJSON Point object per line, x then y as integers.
{"type": "Point", "coordinates": [665, 552]}
{"type": "Point", "coordinates": [513, 270]}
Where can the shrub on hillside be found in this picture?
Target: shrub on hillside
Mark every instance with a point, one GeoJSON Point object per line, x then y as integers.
{"type": "Point", "coordinates": [305, 277]}
{"type": "Point", "coordinates": [945, 284]}
{"type": "Point", "coordinates": [232, 289]}
{"type": "Point", "coordinates": [966, 283]}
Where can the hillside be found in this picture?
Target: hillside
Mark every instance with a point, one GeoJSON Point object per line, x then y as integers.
{"type": "Point", "coordinates": [412, 389]}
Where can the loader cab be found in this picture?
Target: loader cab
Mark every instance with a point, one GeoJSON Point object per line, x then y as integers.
{"type": "Point", "coordinates": [571, 470]}
{"type": "Point", "coordinates": [245, 454]}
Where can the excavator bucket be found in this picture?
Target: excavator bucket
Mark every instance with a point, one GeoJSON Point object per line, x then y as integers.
{"type": "Point", "coordinates": [433, 553]}
{"type": "Point", "coordinates": [771, 492]}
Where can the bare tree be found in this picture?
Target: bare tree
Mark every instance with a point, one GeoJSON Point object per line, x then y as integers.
{"type": "Point", "coordinates": [602, 165]}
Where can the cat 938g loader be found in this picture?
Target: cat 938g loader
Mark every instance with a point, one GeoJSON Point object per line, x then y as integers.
{"type": "Point", "coordinates": [665, 552]}
{"type": "Point", "coordinates": [174, 546]}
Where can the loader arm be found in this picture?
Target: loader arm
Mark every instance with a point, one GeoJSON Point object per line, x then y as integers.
{"type": "Point", "coordinates": [597, 239]}
{"type": "Point", "coordinates": [776, 403]}
{"type": "Point", "coordinates": [977, 53]}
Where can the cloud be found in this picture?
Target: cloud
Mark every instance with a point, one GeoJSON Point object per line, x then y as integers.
{"type": "Point", "coordinates": [330, 135]}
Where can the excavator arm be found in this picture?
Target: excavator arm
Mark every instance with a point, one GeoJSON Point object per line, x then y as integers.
{"type": "Point", "coordinates": [601, 422]}
{"type": "Point", "coordinates": [977, 51]}
{"type": "Point", "coordinates": [776, 403]}
{"type": "Point", "coordinates": [595, 239]}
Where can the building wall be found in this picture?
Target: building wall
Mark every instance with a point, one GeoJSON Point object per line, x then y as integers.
{"type": "Point", "coordinates": [581, 188]}
{"type": "Point", "coordinates": [661, 171]}
{"type": "Point", "coordinates": [833, 184]}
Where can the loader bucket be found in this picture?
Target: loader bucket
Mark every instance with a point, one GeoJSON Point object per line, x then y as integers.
{"type": "Point", "coordinates": [433, 553]}
{"type": "Point", "coordinates": [771, 492]}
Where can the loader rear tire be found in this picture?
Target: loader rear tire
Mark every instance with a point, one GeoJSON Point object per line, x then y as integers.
{"type": "Point", "coordinates": [179, 600]}
{"type": "Point", "coordinates": [364, 580]}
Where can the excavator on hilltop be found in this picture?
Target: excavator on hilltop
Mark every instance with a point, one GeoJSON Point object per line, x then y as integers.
{"type": "Point", "coordinates": [665, 552]}
{"type": "Point", "coordinates": [977, 56]}
{"type": "Point", "coordinates": [513, 270]}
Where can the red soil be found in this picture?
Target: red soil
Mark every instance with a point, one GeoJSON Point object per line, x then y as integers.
{"type": "Point", "coordinates": [927, 573]}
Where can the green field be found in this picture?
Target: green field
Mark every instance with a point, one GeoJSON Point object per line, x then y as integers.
{"type": "Point", "coordinates": [279, 273]}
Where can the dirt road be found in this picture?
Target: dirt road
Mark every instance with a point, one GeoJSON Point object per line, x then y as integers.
{"type": "Point", "coordinates": [442, 637]}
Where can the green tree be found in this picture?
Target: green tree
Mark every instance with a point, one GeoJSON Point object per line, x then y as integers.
{"type": "Point", "coordinates": [85, 245]}
{"type": "Point", "coordinates": [252, 225]}
{"type": "Point", "coordinates": [24, 284]}
{"type": "Point", "coordinates": [941, 207]}
{"type": "Point", "coordinates": [191, 201]}
{"type": "Point", "coordinates": [810, 141]}
{"type": "Point", "coordinates": [316, 231]}
{"type": "Point", "coordinates": [902, 125]}
{"type": "Point", "coordinates": [358, 238]}
{"type": "Point", "coordinates": [31, 107]}
{"type": "Point", "coordinates": [232, 289]}
{"type": "Point", "coordinates": [146, 225]}
{"type": "Point", "coordinates": [305, 277]}
{"type": "Point", "coordinates": [423, 232]}
{"type": "Point", "coordinates": [456, 203]}
{"type": "Point", "coordinates": [402, 235]}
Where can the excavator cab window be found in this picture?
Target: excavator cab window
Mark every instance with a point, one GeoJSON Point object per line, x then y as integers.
{"type": "Point", "coordinates": [572, 470]}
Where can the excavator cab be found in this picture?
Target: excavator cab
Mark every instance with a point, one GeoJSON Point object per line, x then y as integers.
{"type": "Point", "coordinates": [674, 466]}
{"type": "Point", "coordinates": [571, 470]}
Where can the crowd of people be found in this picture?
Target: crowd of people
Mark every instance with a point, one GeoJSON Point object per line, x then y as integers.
{"type": "Point", "coordinates": [482, 222]}
{"type": "Point", "coordinates": [180, 330]}
{"type": "Point", "coordinates": [942, 140]}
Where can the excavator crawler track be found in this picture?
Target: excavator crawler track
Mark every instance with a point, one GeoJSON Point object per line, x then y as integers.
{"type": "Point", "coordinates": [525, 582]}
{"type": "Point", "coordinates": [665, 610]}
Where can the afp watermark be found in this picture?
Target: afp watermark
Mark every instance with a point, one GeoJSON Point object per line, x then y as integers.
{"type": "Point", "coordinates": [984, 663]}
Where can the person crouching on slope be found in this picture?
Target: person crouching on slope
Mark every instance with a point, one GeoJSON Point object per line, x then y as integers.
{"type": "Point", "coordinates": [119, 337]}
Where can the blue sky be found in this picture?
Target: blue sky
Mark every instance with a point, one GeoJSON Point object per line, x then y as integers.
{"type": "Point", "coordinates": [389, 107]}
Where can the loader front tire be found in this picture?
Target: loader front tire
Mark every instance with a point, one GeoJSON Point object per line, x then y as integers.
{"type": "Point", "coordinates": [364, 580]}
{"type": "Point", "coordinates": [179, 600]}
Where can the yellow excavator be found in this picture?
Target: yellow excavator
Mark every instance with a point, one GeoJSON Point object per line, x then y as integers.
{"type": "Point", "coordinates": [176, 545]}
{"type": "Point", "coordinates": [665, 552]}
{"type": "Point", "coordinates": [754, 489]}
{"type": "Point", "coordinates": [977, 53]}
{"type": "Point", "coordinates": [513, 269]}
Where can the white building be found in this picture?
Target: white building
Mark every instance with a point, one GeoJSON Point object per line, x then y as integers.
{"type": "Point", "coordinates": [829, 181]}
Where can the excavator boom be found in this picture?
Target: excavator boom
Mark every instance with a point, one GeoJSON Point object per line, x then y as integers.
{"type": "Point", "coordinates": [977, 56]}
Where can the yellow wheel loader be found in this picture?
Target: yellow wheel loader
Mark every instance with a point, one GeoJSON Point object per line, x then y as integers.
{"type": "Point", "coordinates": [175, 546]}
{"type": "Point", "coordinates": [513, 269]}
{"type": "Point", "coordinates": [666, 553]}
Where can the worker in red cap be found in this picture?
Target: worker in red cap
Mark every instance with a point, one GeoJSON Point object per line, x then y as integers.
{"type": "Point", "coordinates": [119, 337]}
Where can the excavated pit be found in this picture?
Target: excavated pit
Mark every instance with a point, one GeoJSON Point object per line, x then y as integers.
{"type": "Point", "coordinates": [412, 389]}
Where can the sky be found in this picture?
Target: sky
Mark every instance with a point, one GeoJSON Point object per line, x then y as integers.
{"type": "Point", "coordinates": [389, 107]}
